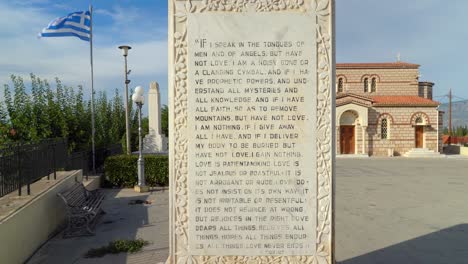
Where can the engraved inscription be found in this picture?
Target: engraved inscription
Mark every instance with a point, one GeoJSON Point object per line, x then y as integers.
{"type": "Point", "coordinates": [252, 146]}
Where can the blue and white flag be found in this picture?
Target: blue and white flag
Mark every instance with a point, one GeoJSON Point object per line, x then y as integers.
{"type": "Point", "coordinates": [76, 24]}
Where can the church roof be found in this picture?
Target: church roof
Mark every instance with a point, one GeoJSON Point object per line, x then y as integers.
{"type": "Point", "coordinates": [351, 98]}
{"type": "Point", "coordinates": [378, 65]}
{"type": "Point", "coordinates": [358, 96]}
{"type": "Point", "coordinates": [402, 100]}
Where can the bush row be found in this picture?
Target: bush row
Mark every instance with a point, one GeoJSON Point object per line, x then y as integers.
{"type": "Point", "coordinates": [122, 171]}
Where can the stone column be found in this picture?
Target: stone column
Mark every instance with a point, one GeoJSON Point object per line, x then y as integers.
{"type": "Point", "coordinates": [364, 128]}
{"type": "Point", "coordinates": [154, 142]}
{"type": "Point", "coordinates": [154, 109]}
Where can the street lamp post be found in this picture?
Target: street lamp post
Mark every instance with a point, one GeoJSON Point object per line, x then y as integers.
{"type": "Point", "coordinates": [139, 100]}
{"type": "Point", "coordinates": [127, 114]}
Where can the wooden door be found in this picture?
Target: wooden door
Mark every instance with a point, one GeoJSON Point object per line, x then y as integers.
{"type": "Point", "coordinates": [419, 135]}
{"type": "Point", "coordinates": [347, 139]}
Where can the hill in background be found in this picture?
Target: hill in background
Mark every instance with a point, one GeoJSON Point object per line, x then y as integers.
{"type": "Point", "coordinates": [459, 113]}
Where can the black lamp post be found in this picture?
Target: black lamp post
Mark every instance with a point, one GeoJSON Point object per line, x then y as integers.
{"type": "Point", "coordinates": [127, 81]}
{"type": "Point", "coordinates": [139, 100]}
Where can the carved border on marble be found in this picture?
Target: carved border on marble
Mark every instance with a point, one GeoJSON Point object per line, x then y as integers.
{"type": "Point", "coordinates": [179, 145]}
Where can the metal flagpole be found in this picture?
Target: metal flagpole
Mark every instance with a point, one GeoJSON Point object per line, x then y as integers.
{"type": "Point", "coordinates": [92, 85]}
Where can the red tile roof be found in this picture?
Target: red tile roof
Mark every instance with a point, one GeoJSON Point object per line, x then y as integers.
{"type": "Point", "coordinates": [382, 65]}
{"type": "Point", "coordinates": [454, 140]}
{"type": "Point", "coordinates": [403, 100]}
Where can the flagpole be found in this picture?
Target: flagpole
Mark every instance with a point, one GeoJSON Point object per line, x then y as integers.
{"type": "Point", "coordinates": [92, 86]}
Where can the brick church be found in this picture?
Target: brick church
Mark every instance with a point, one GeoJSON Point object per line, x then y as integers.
{"type": "Point", "coordinates": [383, 109]}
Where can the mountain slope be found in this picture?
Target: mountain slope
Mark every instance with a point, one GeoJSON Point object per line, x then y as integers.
{"type": "Point", "coordinates": [459, 113]}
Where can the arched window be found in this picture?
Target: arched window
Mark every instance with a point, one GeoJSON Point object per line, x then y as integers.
{"type": "Point", "coordinates": [419, 119]}
{"type": "Point", "coordinates": [366, 85]}
{"type": "Point", "coordinates": [373, 85]}
{"type": "Point", "coordinates": [384, 129]}
{"type": "Point", "coordinates": [340, 85]}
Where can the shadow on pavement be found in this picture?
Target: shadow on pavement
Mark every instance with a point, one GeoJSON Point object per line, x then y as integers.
{"type": "Point", "coordinates": [442, 247]}
{"type": "Point", "coordinates": [129, 215]}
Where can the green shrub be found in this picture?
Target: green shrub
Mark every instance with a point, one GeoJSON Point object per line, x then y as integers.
{"type": "Point", "coordinates": [121, 170]}
{"type": "Point", "coordinates": [116, 247]}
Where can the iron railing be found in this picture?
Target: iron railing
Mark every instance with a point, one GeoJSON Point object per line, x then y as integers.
{"type": "Point", "coordinates": [23, 164]}
{"type": "Point", "coordinates": [79, 161]}
{"type": "Point", "coordinates": [82, 160]}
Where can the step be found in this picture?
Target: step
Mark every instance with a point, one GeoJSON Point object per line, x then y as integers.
{"type": "Point", "coordinates": [352, 156]}
{"type": "Point", "coordinates": [421, 150]}
{"type": "Point", "coordinates": [423, 153]}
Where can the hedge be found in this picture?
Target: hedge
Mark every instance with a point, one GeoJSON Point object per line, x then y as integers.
{"type": "Point", "coordinates": [121, 170]}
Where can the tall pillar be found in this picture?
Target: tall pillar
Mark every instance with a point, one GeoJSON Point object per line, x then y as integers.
{"type": "Point", "coordinates": [155, 141]}
{"type": "Point", "coordinates": [364, 128]}
{"type": "Point", "coordinates": [154, 109]}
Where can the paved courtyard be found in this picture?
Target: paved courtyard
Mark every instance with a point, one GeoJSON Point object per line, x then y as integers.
{"type": "Point", "coordinates": [400, 210]}
{"type": "Point", "coordinates": [125, 218]}
{"type": "Point", "coordinates": [388, 211]}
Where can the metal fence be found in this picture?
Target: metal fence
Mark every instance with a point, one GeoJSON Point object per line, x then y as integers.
{"type": "Point", "coordinates": [83, 160]}
{"type": "Point", "coordinates": [23, 164]}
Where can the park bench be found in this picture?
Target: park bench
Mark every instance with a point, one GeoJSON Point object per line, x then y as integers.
{"type": "Point", "coordinates": [83, 209]}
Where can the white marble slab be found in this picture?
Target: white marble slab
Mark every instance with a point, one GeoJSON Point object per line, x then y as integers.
{"type": "Point", "coordinates": [251, 151]}
{"type": "Point", "coordinates": [251, 119]}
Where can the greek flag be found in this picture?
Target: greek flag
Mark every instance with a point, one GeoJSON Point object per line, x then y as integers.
{"type": "Point", "coordinates": [76, 24]}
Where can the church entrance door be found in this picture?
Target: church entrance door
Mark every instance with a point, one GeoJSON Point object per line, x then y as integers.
{"type": "Point", "coordinates": [419, 136]}
{"type": "Point", "coordinates": [347, 140]}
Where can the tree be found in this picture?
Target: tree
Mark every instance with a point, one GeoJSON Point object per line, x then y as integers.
{"type": "Point", "coordinates": [103, 120]}
{"type": "Point", "coordinates": [40, 121]}
{"type": "Point", "coordinates": [61, 111]}
{"type": "Point", "coordinates": [445, 132]}
{"type": "Point", "coordinates": [118, 117]}
{"type": "Point", "coordinates": [165, 120]}
{"type": "Point", "coordinates": [82, 130]}
{"type": "Point", "coordinates": [3, 123]}
{"type": "Point", "coordinates": [3, 114]}
{"type": "Point", "coordinates": [19, 109]}
{"type": "Point", "coordinates": [459, 131]}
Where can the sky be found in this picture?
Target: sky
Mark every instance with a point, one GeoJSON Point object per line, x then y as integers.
{"type": "Point", "coordinates": [432, 33]}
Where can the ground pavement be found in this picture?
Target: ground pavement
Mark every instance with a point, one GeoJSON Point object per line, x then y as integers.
{"type": "Point", "coordinates": [388, 211]}
{"type": "Point", "coordinates": [397, 211]}
{"type": "Point", "coordinates": [125, 218]}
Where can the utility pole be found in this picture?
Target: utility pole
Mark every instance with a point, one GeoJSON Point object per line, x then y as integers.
{"type": "Point", "coordinates": [450, 116]}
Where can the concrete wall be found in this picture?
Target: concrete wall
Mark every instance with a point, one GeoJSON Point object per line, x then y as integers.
{"type": "Point", "coordinates": [464, 151]}
{"type": "Point", "coordinates": [452, 149]}
{"type": "Point", "coordinates": [93, 183]}
{"type": "Point", "coordinates": [23, 232]}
